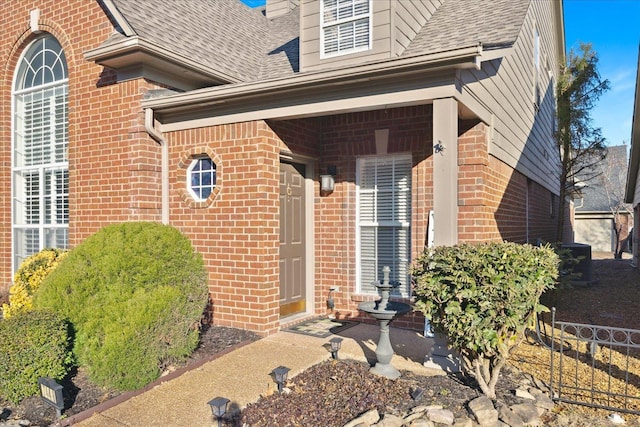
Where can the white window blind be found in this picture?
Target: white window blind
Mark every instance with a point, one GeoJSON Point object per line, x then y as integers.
{"type": "Point", "coordinates": [346, 26]}
{"type": "Point", "coordinates": [40, 164]}
{"type": "Point", "coordinates": [384, 220]}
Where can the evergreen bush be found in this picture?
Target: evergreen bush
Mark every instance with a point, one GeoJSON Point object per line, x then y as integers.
{"type": "Point", "coordinates": [28, 278]}
{"type": "Point", "coordinates": [32, 345]}
{"type": "Point", "coordinates": [135, 293]}
{"type": "Point", "coordinates": [482, 297]}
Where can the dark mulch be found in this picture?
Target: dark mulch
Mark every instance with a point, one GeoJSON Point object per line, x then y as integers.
{"type": "Point", "coordinates": [334, 392]}
{"type": "Point", "coordinates": [81, 394]}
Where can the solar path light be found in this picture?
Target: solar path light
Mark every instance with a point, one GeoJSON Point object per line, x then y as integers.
{"type": "Point", "coordinates": [280, 374]}
{"type": "Point", "coordinates": [218, 408]}
{"type": "Point", "coordinates": [336, 343]}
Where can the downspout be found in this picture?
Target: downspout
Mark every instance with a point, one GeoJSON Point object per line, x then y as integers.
{"type": "Point", "coordinates": [164, 161]}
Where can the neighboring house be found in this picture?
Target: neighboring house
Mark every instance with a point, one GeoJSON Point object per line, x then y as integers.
{"type": "Point", "coordinates": [430, 122]}
{"type": "Point", "coordinates": [602, 219]}
{"type": "Point", "coordinates": [632, 194]}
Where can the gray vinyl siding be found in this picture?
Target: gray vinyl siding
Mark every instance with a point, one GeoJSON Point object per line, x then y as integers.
{"type": "Point", "coordinates": [523, 137]}
{"type": "Point", "coordinates": [310, 38]}
{"type": "Point", "coordinates": [409, 17]}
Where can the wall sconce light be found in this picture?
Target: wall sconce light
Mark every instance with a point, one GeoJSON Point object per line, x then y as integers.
{"type": "Point", "coordinates": [327, 181]}
{"type": "Point", "coordinates": [218, 408]}
{"type": "Point", "coordinates": [280, 374]}
{"type": "Point", "coordinates": [336, 343]}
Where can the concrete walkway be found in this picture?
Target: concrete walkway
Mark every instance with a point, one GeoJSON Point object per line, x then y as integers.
{"type": "Point", "coordinates": [243, 375]}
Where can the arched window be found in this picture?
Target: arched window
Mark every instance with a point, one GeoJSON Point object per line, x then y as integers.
{"type": "Point", "coordinates": [40, 137]}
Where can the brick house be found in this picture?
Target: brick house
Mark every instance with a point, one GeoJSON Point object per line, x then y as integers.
{"type": "Point", "coordinates": [426, 121]}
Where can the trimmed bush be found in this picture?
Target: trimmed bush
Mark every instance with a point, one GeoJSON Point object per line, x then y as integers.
{"type": "Point", "coordinates": [482, 297]}
{"type": "Point", "coordinates": [28, 278]}
{"type": "Point", "coordinates": [32, 345]}
{"type": "Point", "coordinates": [135, 293]}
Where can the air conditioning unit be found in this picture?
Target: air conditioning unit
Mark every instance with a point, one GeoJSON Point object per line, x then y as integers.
{"type": "Point", "coordinates": [583, 267]}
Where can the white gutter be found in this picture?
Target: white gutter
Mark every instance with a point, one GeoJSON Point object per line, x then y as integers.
{"type": "Point", "coordinates": [164, 162]}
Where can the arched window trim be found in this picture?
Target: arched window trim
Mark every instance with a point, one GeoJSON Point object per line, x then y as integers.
{"type": "Point", "coordinates": [40, 169]}
{"type": "Point", "coordinates": [29, 57]}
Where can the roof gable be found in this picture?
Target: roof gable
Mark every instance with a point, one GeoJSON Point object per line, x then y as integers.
{"type": "Point", "coordinates": [223, 35]}
{"type": "Point", "coordinates": [459, 23]}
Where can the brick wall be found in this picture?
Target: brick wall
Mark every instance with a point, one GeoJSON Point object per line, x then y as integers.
{"type": "Point", "coordinates": [495, 201]}
{"type": "Point", "coordinates": [110, 178]}
{"type": "Point", "coordinates": [114, 169]}
{"type": "Point", "coordinates": [344, 138]}
{"type": "Point", "coordinates": [237, 230]}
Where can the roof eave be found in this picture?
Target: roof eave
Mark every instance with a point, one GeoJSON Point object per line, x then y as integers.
{"type": "Point", "coordinates": [466, 57]}
{"type": "Point", "coordinates": [560, 37]}
{"type": "Point", "coordinates": [132, 50]}
{"type": "Point", "coordinates": [124, 25]}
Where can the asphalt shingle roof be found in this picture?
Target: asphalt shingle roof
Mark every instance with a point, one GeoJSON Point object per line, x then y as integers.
{"type": "Point", "coordinates": [224, 35]}
{"type": "Point", "coordinates": [600, 192]}
{"type": "Point", "coordinates": [235, 40]}
{"type": "Point", "coordinates": [462, 23]}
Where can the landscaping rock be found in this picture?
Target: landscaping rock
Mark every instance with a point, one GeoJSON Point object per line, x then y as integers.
{"type": "Point", "coordinates": [463, 422]}
{"type": "Point", "coordinates": [367, 419]}
{"type": "Point", "coordinates": [507, 416]}
{"type": "Point", "coordinates": [528, 413]}
{"type": "Point", "coordinates": [524, 394]}
{"type": "Point", "coordinates": [542, 399]}
{"type": "Point", "coordinates": [421, 422]}
{"type": "Point", "coordinates": [390, 420]}
{"type": "Point", "coordinates": [483, 410]}
{"type": "Point", "coordinates": [441, 416]}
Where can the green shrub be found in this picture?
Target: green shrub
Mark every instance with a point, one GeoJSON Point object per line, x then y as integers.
{"type": "Point", "coordinates": [32, 345]}
{"type": "Point", "coordinates": [135, 293]}
{"type": "Point", "coordinates": [482, 297]}
{"type": "Point", "coordinates": [28, 278]}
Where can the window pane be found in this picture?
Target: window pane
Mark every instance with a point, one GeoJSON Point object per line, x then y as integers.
{"type": "Point", "coordinates": [345, 25]}
{"type": "Point", "coordinates": [202, 177]}
{"type": "Point", "coordinates": [331, 40]}
{"type": "Point", "coordinates": [40, 170]}
{"type": "Point", "coordinates": [345, 9]}
{"type": "Point", "coordinates": [57, 197]}
{"type": "Point", "coordinates": [330, 11]}
{"type": "Point", "coordinates": [26, 243]}
{"type": "Point", "coordinates": [57, 238]}
{"type": "Point", "coordinates": [205, 192]}
{"type": "Point", "coordinates": [362, 33]}
{"type": "Point", "coordinates": [368, 259]}
{"type": "Point", "coordinates": [361, 7]}
{"type": "Point", "coordinates": [384, 203]}
{"type": "Point", "coordinates": [32, 198]}
{"type": "Point", "coordinates": [346, 40]}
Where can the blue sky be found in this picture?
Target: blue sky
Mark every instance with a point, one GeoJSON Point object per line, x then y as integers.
{"type": "Point", "coordinates": [613, 29]}
{"type": "Point", "coordinates": [254, 3]}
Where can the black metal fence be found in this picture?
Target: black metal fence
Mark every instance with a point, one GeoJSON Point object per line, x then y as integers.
{"type": "Point", "coordinates": [594, 365]}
